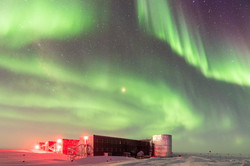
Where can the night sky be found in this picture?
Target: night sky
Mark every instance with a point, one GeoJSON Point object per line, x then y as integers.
{"type": "Point", "coordinates": [126, 68]}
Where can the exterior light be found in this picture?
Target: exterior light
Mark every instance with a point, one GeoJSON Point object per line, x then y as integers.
{"type": "Point", "coordinates": [85, 139]}
{"type": "Point", "coordinates": [37, 147]}
{"type": "Point", "coordinates": [58, 147]}
{"type": "Point", "coordinates": [59, 141]}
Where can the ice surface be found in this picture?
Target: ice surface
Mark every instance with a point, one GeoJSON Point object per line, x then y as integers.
{"type": "Point", "coordinates": [36, 158]}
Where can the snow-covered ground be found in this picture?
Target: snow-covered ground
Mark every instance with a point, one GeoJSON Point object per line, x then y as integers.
{"type": "Point", "coordinates": [196, 160]}
{"type": "Point", "coordinates": [26, 157]}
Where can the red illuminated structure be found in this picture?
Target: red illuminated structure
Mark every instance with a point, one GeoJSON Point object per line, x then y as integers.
{"type": "Point", "coordinates": [41, 145]}
{"type": "Point", "coordinates": [66, 146]}
{"type": "Point", "coordinates": [50, 146]}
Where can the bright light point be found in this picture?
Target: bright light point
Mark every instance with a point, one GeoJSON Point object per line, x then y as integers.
{"type": "Point", "coordinates": [59, 147]}
{"type": "Point", "coordinates": [37, 147]}
{"type": "Point", "coordinates": [85, 137]}
{"type": "Point", "coordinates": [123, 89]}
{"type": "Point", "coordinates": [59, 141]}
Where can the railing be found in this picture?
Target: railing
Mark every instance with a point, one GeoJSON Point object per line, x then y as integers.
{"type": "Point", "coordinates": [79, 151]}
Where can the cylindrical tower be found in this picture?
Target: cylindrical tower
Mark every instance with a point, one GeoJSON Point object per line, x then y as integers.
{"type": "Point", "coordinates": [162, 145]}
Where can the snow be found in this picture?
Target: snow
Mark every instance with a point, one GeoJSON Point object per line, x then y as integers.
{"type": "Point", "coordinates": [38, 158]}
{"type": "Point", "coordinates": [191, 160]}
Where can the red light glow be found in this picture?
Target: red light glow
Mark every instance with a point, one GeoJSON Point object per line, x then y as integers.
{"type": "Point", "coordinates": [59, 147]}
{"type": "Point", "coordinates": [85, 137]}
{"type": "Point", "coordinates": [59, 141]}
{"type": "Point", "coordinates": [37, 147]}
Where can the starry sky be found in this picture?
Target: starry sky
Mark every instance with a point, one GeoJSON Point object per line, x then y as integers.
{"type": "Point", "coordinates": [128, 68]}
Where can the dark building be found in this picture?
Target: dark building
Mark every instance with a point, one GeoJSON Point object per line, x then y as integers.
{"type": "Point", "coordinates": [96, 145]}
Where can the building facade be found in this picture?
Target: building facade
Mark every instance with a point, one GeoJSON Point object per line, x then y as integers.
{"type": "Point", "coordinates": [66, 146]}
{"type": "Point", "coordinates": [96, 145]}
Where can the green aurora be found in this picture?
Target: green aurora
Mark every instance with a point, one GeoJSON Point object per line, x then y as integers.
{"type": "Point", "coordinates": [23, 22]}
{"type": "Point", "coordinates": [103, 95]}
{"type": "Point", "coordinates": [64, 66]}
{"type": "Point", "coordinates": [170, 24]}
